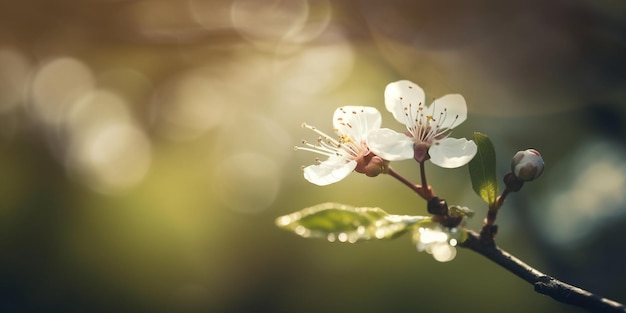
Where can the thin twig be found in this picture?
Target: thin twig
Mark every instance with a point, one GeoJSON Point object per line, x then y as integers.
{"type": "Point", "coordinates": [543, 283]}
{"type": "Point", "coordinates": [423, 173]}
{"type": "Point", "coordinates": [414, 187]}
{"type": "Point", "coordinates": [425, 193]}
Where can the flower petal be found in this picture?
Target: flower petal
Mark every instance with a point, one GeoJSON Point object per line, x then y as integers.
{"type": "Point", "coordinates": [400, 95]}
{"type": "Point", "coordinates": [330, 171]}
{"type": "Point", "coordinates": [390, 145]}
{"type": "Point", "coordinates": [452, 152]}
{"type": "Point", "coordinates": [450, 110]}
{"type": "Point", "coordinates": [356, 121]}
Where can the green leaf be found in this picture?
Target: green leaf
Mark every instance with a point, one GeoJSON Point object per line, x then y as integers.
{"type": "Point", "coordinates": [344, 223]}
{"type": "Point", "coordinates": [482, 169]}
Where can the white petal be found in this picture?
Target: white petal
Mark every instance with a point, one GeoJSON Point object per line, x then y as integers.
{"type": "Point", "coordinates": [450, 110]}
{"type": "Point", "coordinates": [390, 145]}
{"type": "Point", "coordinates": [356, 121]}
{"type": "Point", "coordinates": [330, 171]}
{"type": "Point", "coordinates": [452, 152]}
{"type": "Point", "coordinates": [398, 95]}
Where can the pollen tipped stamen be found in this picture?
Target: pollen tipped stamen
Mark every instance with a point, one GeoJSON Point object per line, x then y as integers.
{"type": "Point", "coordinates": [454, 123]}
{"type": "Point", "coordinates": [314, 150]}
{"type": "Point", "coordinates": [319, 132]}
{"type": "Point", "coordinates": [413, 122]}
{"type": "Point", "coordinates": [328, 146]}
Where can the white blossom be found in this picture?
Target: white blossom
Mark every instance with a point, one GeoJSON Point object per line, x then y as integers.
{"type": "Point", "coordinates": [428, 128]}
{"type": "Point", "coordinates": [349, 151]}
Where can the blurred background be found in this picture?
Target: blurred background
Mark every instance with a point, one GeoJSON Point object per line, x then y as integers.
{"type": "Point", "coordinates": [146, 148]}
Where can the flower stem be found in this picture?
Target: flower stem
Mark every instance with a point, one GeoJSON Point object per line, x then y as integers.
{"type": "Point", "coordinates": [417, 188]}
{"type": "Point", "coordinates": [425, 193]}
{"type": "Point", "coordinates": [403, 180]}
{"type": "Point", "coordinates": [501, 198]}
{"type": "Point", "coordinates": [489, 228]}
{"type": "Point", "coordinates": [423, 173]}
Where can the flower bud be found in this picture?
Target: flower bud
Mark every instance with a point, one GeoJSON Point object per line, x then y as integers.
{"type": "Point", "coordinates": [527, 165]}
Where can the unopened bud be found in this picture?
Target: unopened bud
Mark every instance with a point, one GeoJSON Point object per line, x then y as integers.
{"type": "Point", "coordinates": [527, 165]}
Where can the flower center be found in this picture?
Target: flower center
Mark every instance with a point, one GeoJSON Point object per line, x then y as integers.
{"type": "Point", "coordinates": [426, 128]}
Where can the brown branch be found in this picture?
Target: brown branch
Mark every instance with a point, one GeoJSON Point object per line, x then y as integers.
{"type": "Point", "coordinates": [426, 192]}
{"type": "Point", "coordinates": [543, 283]}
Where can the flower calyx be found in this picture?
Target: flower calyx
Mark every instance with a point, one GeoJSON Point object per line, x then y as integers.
{"type": "Point", "coordinates": [371, 165]}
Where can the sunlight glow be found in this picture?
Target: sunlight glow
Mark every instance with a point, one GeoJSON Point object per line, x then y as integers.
{"type": "Point", "coordinates": [111, 158]}
{"type": "Point", "coordinates": [443, 252]}
{"type": "Point", "coordinates": [55, 87]}
{"type": "Point", "coordinates": [189, 105]}
{"type": "Point", "coordinates": [94, 110]}
{"type": "Point", "coordinates": [437, 242]}
{"type": "Point", "coordinates": [213, 15]}
{"type": "Point", "coordinates": [317, 69]}
{"type": "Point", "coordinates": [293, 21]}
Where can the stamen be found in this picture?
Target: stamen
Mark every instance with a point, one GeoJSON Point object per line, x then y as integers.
{"type": "Point", "coordinates": [456, 118]}
{"type": "Point", "coordinates": [328, 146]}
{"type": "Point", "coordinates": [324, 135]}
{"type": "Point", "coordinates": [314, 151]}
{"type": "Point", "coordinates": [410, 121]}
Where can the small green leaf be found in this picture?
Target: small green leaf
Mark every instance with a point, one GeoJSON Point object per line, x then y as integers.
{"type": "Point", "coordinates": [483, 169]}
{"type": "Point", "coordinates": [344, 223]}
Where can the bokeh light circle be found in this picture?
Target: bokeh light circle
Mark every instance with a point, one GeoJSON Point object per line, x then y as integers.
{"type": "Point", "coordinates": [112, 158]}
{"type": "Point", "coordinates": [55, 87]}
